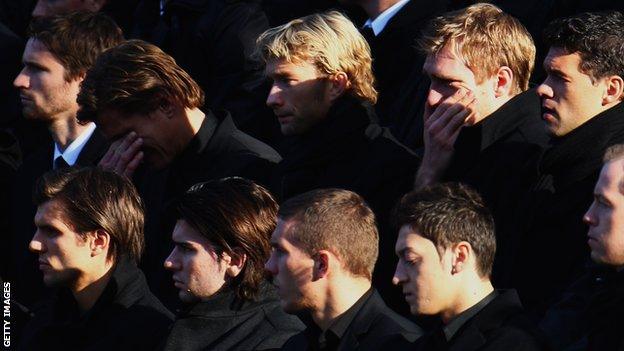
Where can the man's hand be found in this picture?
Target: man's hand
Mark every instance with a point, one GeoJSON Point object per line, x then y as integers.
{"type": "Point", "coordinates": [124, 155]}
{"type": "Point", "coordinates": [441, 128]}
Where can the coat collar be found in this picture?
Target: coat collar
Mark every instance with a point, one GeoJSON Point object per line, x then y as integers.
{"type": "Point", "coordinates": [579, 153]}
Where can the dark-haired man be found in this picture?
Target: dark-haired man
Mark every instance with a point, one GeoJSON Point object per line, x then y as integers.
{"type": "Point", "coordinates": [58, 53]}
{"type": "Point", "coordinates": [89, 239]}
{"type": "Point", "coordinates": [446, 248]}
{"type": "Point", "coordinates": [152, 110]}
{"type": "Point", "coordinates": [581, 107]}
{"type": "Point", "coordinates": [324, 251]}
{"type": "Point", "coordinates": [221, 243]}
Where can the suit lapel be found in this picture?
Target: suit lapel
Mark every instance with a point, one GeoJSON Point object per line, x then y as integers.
{"type": "Point", "coordinates": [93, 150]}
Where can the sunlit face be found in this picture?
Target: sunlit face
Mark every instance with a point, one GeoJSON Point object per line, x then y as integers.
{"type": "Point", "coordinates": [423, 275]}
{"type": "Point", "coordinates": [569, 97]}
{"type": "Point", "coordinates": [605, 216]}
{"type": "Point", "coordinates": [57, 7]}
{"type": "Point", "coordinates": [291, 269]}
{"type": "Point", "coordinates": [162, 138]}
{"type": "Point", "coordinates": [299, 95]}
{"type": "Point", "coordinates": [198, 272]}
{"type": "Point", "coordinates": [448, 73]}
{"type": "Point", "coordinates": [64, 255]}
{"type": "Point", "coordinates": [44, 92]}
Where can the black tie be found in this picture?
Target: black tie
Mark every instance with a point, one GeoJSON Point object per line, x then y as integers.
{"type": "Point", "coordinates": [368, 34]}
{"type": "Point", "coordinates": [60, 163]}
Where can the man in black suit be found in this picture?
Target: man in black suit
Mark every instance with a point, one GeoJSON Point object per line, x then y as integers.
{"type": "Point", "coordinates": [56, 58]}
{"type": "Point", "coordinates": [446, 248]}
{"type": "Point", "coordinates": [89, 239]}
{"type": "Point", "coordinates": [582, 110]}
{"type": "Point", "coordinates": [587, 317]}
{"type": "Point", "coordinates": [323, 98]}
{"type": "Point", "coordinates": [151, 108]}
{"type": "Point", "coordinates": [391, 31]}
{"type": "Point", "coordinates": [221, 244]}
{"type": "Point", "coordinates": [324, 250]}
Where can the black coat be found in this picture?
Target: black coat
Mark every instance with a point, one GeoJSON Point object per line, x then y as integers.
{"type": "Point", "coordinates": [23, 269]}
{"type": "Point", "coordinates": [225, 323]}
{"type": "Point", "coordinates": [374, 326]}
{"type": "Point", "coordinates": [588, 317]}
{"type": "Point", "coordinates": [552, 250]}
{"type": "Point", "coordinates": [218, 150]}
{"type": "Point", "coordinates": [500, 325]}
{"type": "Point", "coordinates": [395, 55]}
{"type": "Point", "coordinates": [493, 157]}
{"type": "Point", "coordinates": [127, 316]}
{"type": "Point", "coordinates": [350, 150]}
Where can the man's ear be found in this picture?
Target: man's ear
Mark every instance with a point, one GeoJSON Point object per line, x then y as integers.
{"type": "Point", "coordinates": [504, 82]}
{"type": "Point", "coordinates": [235, 262]}
{"type": "Point", "coordinates": [462, 253]}
{"type": "Point", "coordinates": [322, 261]}
{"type": "Point", "coordinates": [614, 88]}
{"type": "Point", "coordinates": [338, 85]}
{"type": "Point", "coordinates": [100, 243]}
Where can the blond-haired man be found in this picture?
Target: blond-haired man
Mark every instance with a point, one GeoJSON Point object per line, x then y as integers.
{"type": "Point", "coordinates": [322, 95]}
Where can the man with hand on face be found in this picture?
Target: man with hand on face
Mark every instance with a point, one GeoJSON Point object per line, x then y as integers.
{"type": "Point", "coordinates": [446, 248]}
{"type": "Point", "coordinates": [152, 110]}
{"type": "Point", "coordinates": [581, 104]}
{"type": "Point", "coordinates": [89, 239]}
{"type": "Point", "coordinates": [480, 128]}
{"type": "Point", "coordinates": [324, 251]}
{"type": "Point", "coordinates": [221, 243]}
{"type": "Point", "coordinates": [59, 52]}
{"type": "Point", "coordinates": [479, 60]}
{"type": "Point", "coordinates": [589, 315]}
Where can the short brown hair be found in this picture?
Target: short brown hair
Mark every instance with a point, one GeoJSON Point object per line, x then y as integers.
{"type": "Point", "coordinates": [336, 220]}
{"type": "Point", "coordinates": [136, 77]}
{"type": "Point", "coordinates": [76, 39]}
{"type": "Point", "coordinates": [447, 214]}
{"type": "Point", "coordinates": [234, 213]}
{"type": "Point", "coordinates": [93, 199]}
{"type": "Point", "coordinates": [486, 38]}
{"type": "Point", "coordinates": [328, 40]}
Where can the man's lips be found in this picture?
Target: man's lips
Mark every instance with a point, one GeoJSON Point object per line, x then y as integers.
{"type": "Point", "coordinates": [43, 264]}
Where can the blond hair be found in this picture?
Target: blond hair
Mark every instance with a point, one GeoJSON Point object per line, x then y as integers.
{"type": "Point", "coordinates": [486, 39]}
{"type": "Point", "coordinates": [328, 40]}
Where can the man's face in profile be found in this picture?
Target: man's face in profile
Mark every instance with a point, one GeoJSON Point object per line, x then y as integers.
{"type": "Point", "coordinates": [449, 73]}
{"type": "Point", "coordinates": [292, 270]}
{"type": "Point", "coordinates": [45, 94]}
{"type": "Point", "coordinates": [299, 95]}
{"type": "Point", "coordinates": [605, 216]}
{"type": "Point", "coordinates": [64, 254]}
{"type": "Point", "coordinates": [198, 271]}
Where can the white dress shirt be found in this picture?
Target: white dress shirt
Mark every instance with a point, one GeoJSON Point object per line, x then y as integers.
{"type": "Point", "coordinates": [379, 23]}
{"type": "Point", "coordinates": [71, 153]}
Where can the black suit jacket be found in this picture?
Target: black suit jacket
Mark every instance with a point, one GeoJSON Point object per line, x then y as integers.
{"type": "Point", "coordinates": [374, 326]}
{"type": "Point", "coordinates": [394, 52]}
{"type": "Point", "coordinates": [24, 270]}
{"type": "Point", "coordinates": [500, 325]}
{"type": "Point", "coordinates": [126, 316]}
{"type": "Point", "coordinates": [218, 150]}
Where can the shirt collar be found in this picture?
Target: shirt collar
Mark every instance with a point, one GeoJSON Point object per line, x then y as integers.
{"type": "Point", "coordinates": [379, 23]}
{"type": "Point", "coordinates": [71, 153]}
{"type": "Point", "coordinates": [453, 326]}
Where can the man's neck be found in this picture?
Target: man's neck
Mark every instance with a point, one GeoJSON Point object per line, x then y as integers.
{"type": "Point", "coordinates": [374, 8]}
{"type": "Point", "coordinates": [338, 299]}
{"type": "Point", "coordinates": [470, 296]}
{"type": "Point", "coordinates": [89, 290]}
{"type": "Point", "coordinates": [65, 130]}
